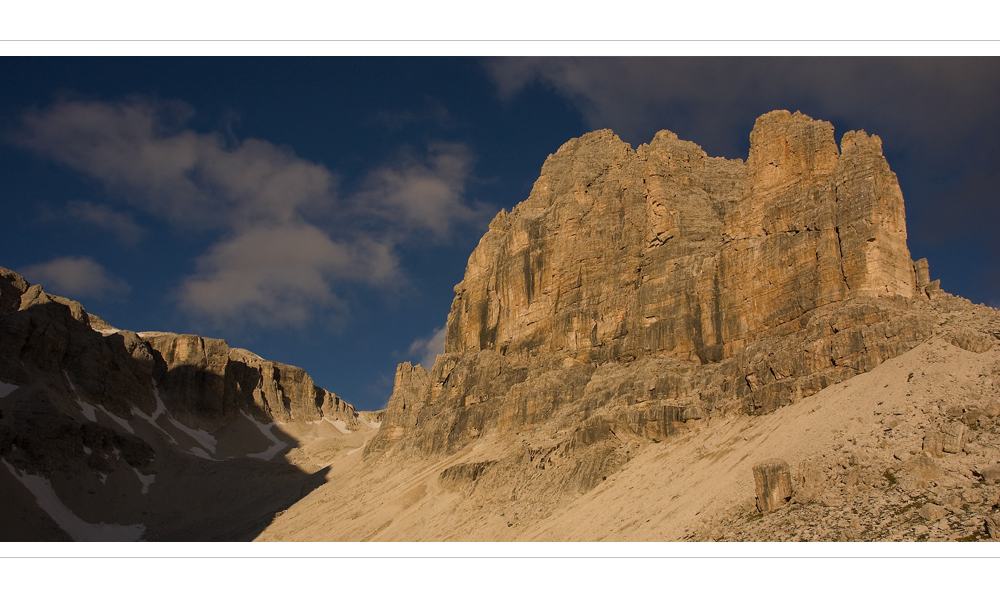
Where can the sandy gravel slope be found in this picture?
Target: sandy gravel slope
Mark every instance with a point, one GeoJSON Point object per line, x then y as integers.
{"type": "Point", "coordinates": [856, 450]}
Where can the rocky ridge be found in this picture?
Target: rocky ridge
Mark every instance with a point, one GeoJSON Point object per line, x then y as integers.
{"type": "Point", "coordinates": [82, 402]}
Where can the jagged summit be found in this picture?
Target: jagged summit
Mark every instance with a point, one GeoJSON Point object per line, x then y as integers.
{"type": "Point", "coordinates": [643, 288]}
{"type": "Point", "coordinates": [662, 249]}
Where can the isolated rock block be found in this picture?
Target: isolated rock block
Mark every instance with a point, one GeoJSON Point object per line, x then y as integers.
{"type": "Point", "coordinates": [773, 480]}
{"type": "Point", "coordinates": [918, 473]}
{"type": "Point", "coordinates": [954, 437]}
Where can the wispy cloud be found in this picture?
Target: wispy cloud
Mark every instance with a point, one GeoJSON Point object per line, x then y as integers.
{"type": "Point", "coordinates": [940, 113]}
{"type": "Point", "coordinates": [281, 275]}
{"type": "Point", "coordinates": [426, 349]}
{"type": "Point", "coordinates": [433, 112]}
{"type": "Point", "coordinates": [105, 218]}
{"type": "Point", "coordinates": [75, 277]}
{"type": "Point", "coordinates": [425, 194]}
{"type": "Point", "coordinates": [709, 100]}
{"type": "Point", "coordinates": [276, 260]}
{"type": "Point", "coordinates": [142, 150]}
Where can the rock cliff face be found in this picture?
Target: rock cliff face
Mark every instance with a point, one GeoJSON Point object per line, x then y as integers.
{"type": "Point", "coordinates": [636, 290]}
{"type": "Point", "coordinates": [50, 338]}
{"type": "Point", "coordinates": [207, 377]}
{"type": "Point", "coordinates": [619, 253]}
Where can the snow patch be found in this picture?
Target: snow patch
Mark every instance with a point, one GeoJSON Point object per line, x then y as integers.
{"type": "Point", "coordinates": [6, 389]}
{"type": "Point", "coordinates": [265, 429]}
{"type": "Point", "coordinates": [160, 410]}
{"type": "Point", "coordinates": [339, 425]}
{"type": "Point", "coordinates": [78, 529]}
{"type": "Point", "coordinates": [200, 436]}
{"type": "Point", "coordinates": [103, 477]}
{"type": "Point", "coordinates": [354, 450]}
{"type": "Point", "coordinates": [88, 410]}
{"type": "Point", "coordinates": [87, 451]}
{"type": "Point", "coordinates": [373, 426]}
{"type": "Point", "coordinates": [121, 422]}
{"type": "Point", "coordinates": [145, 479]}
{"type": "Point", "coordinates": [198, 452]}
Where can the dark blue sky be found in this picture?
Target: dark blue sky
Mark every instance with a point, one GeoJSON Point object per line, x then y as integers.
{"type": "Point", "coordinates": [318, 211]}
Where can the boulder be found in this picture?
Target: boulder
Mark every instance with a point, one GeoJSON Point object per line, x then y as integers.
{"type": "Point", "coordinates": [773, 482]}
{"type": "Point", "coordinates": [953, 437]}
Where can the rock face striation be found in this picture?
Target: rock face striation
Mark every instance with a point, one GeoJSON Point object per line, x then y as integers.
{"type": "Point", "coordinates": [637, 291]}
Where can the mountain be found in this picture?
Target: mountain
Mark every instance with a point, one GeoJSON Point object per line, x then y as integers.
{"type": "Point", "coordinates": [655, 345]}
{"type": "Point", "coordinates": [112, 434]}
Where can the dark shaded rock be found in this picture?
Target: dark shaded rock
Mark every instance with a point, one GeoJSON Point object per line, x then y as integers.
{"type": "Point", "coordinates": [12, 286]}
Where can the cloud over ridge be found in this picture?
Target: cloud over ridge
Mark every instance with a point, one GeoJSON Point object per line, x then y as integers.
{"type": "Point", "coordinates": [75, 277]}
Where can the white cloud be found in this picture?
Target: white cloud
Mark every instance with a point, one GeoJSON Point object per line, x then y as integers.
{"type": "Point", "coordinates": [120, 224]}
{"type": "Point", "coordinates": [75, 277]}
{"type": "Point", "coordinates": [140, 149]}
{"type": "Point", "coordinates": [281, 275]}
{"type": "Point", "coordinates": [426, 194]}
{"type": "Point", "coordinates": [428, 348]}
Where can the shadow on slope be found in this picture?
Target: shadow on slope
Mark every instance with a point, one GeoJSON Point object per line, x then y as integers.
{"type": "Point", "coordinates": [88, 444]}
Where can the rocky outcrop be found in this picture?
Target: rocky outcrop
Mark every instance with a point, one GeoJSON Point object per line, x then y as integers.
{"type": "Point", "coordinates": [49, 338]}
{"type": "Point", "coordinates": [12, 286]}
{"type": "Point", "coordinates": [636, 292]}
{"type": "Point", "coordinates": [205, 376]}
